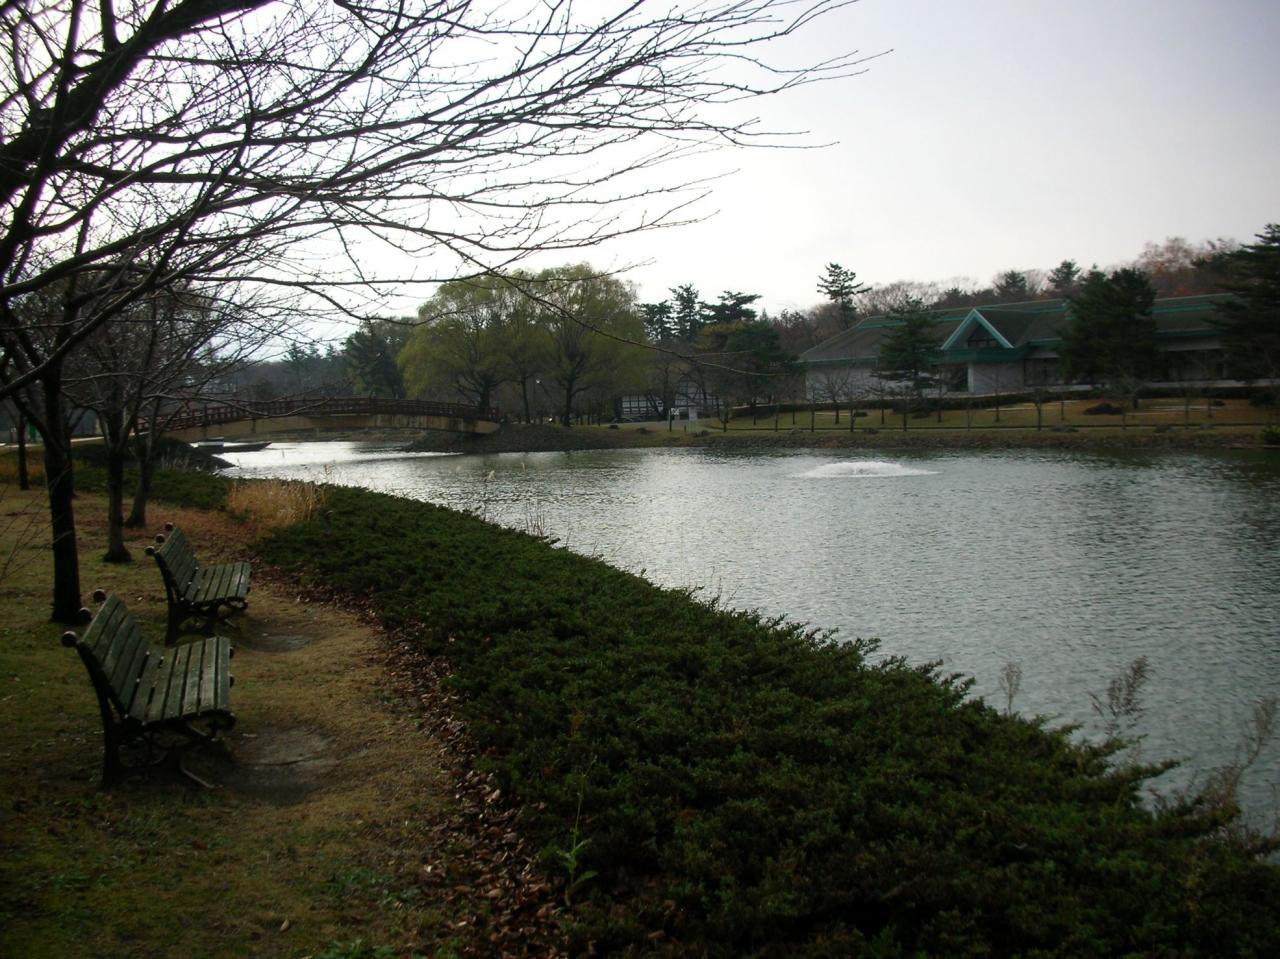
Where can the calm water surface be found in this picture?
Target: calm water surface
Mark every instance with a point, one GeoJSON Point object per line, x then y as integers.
{"type": "Point", "coordinates": [1069, 564]}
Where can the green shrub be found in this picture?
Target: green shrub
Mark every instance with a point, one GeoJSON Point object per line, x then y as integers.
{"type": "Point", "coordinates": [742, 786]}
{"type": "Point", "coordinates": [196, 489]}
{"type": "Point", "coordinates": [170, 453]}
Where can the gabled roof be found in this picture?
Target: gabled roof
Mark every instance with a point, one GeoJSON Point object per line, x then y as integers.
{"type": "Point", "coordinates": [1014, 326]}
{"type": "Point", "coordinates": [862, 342]}
{"type": "Point", "coordinates": [1004, 326]}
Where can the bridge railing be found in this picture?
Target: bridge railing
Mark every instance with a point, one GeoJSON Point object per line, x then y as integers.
{"type": "Point", "coordinates": [216, 414]}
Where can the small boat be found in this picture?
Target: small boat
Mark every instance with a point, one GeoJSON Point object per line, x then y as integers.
{"type": "Point", "coordinates": [217, 446]}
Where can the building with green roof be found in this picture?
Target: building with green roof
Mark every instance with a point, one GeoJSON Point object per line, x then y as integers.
{"type": "Point", "coordinates": [1004, 348]}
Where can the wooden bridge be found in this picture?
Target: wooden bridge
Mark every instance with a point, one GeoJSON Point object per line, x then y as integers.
{"type": "Point", "coordinates": [229, 420]}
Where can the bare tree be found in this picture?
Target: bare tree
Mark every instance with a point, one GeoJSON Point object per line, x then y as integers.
{"type": "Point", "coordinates": [133, 369]}
{"type": "Point", "coordinates": [239, 137]}
{"type": "Point", "coordinates": [834, 386]}
{"type": "Point", "coordinates": [293, 143]}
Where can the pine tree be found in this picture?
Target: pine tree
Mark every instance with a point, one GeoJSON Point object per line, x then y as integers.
{"type": "Point", "coordinates": [1111, 335]}
{"type": "Point", "coordinates": [1251, 323]}
{"type": "Point", "coordinates": [659, 321]}
{"type": "Point", "coordinates": [1011, 287]}
{"type": "Point", "coordinates": [1064, 278]}
{"type": "Point", "coordinates": [840, 286]}
{"type": "Point", "coordinates": [688, 312]}
{"type": "Point", "coordinates": [909, 348]}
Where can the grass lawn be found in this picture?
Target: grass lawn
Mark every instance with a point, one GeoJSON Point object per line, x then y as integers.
{"type": "Point", "coordinates": [338, 830]}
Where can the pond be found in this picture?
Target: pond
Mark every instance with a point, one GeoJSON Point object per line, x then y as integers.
{"type": "Point", "coordinates": [1069, 565]}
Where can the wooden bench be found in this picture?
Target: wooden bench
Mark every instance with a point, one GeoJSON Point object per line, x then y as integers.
{"type": "Point", "coordinates": [145, 690]}
{"type": "Point", "coordinates": [196, 592]}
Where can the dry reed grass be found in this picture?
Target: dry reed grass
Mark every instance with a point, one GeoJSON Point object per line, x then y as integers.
{"type": "Point", "coordinates": [274, 503]}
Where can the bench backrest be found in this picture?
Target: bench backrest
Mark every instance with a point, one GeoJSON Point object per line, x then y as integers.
{"type": "Point", "coordinates": [174, 556]}
{"type": "Point", "coordinates": [115, 653]}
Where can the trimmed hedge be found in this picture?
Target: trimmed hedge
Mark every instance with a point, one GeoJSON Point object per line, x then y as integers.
{"type": "Point", "coordinates": [746, 787]}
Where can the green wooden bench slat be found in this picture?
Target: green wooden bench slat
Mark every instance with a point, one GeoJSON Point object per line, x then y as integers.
{"type": "Point", "coordinates": [122, 652]}
{"type": "Point", "coordinates": [145, 686]}
{"type": "Point", "coordinates": [102, 629]}
{"type": "Point", "coordinates": [159, 689]}
{"type": "Point", "coordinates": [201, 656]}
{"type": "Point", "coordinates": [119, 650]}
{"type": "Point", "coordinates": [177, 678]}
{"type": "Point", "coordinates": [129, 665]}
{"type": "Point", "coordinates": [209, 675]}
{"type": "Point", "coordinates": [222, 685]}
{"type": "Point", "coordinates": [170, 674]}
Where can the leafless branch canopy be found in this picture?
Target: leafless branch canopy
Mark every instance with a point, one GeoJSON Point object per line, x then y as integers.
{"type": "Point", "coordinates": [296, 142]}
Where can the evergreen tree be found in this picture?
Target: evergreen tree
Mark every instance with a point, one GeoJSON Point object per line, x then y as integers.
{"type": "Point", "coordinates": [689, 319]}
{"type": "Point", "coordinates": [909, 348]}
{"type": "Point", "coordinates": [659, 321]}
{"type": "Point", "coordinates": [1251, 324]}
{"type": "Point", "coordinates": [370, 355]}
{"type": "Point", "coordinates": [1012, 286]}
{"type": "Point", "coordinates": [840, 286]}
{"type": "Point", "coordinates": [1111, 336]}
{"type": "Point", "coordinates": [733, 308]}
{"type": "Point", "coordinates": [1064, 278]}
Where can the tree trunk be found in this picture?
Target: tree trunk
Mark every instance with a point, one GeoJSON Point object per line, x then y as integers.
{"type": "Point", "coordinates": [116, 552]}
{"type": "Point", "coordinates": [144, 449]}
{"type": "Point", "coordinates": [24, 476]}
{"type": "Point", "coordinates": [61, 486]}
{"type": "Point", "coordinates": [567, 418]}
{"type": "Point", "coordinates": [524, 398]}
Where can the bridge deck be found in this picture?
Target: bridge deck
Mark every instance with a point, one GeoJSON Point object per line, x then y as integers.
{"type": "Point", "coordinates": [273, 415]}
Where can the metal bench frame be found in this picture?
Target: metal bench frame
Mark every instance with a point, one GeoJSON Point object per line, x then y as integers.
{"type": "Point", "coordinates": [147, 692]}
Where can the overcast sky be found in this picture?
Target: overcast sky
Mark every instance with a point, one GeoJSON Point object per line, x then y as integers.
{"type": "Point", "coordinates": [997, 134]}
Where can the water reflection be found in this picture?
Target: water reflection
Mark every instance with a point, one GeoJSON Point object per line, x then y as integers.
{"type": "Point", "coordinates": [1071, 565]}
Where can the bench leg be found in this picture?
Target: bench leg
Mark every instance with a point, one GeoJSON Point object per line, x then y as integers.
{"type": "Point", "coordinates": [112, 767]}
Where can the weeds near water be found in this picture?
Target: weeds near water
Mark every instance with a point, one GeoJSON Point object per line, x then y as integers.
{"type": "Point", "coordinates": [1010, 682]}
{"type": "Point", "coordinates": [481, 509]}
{"type": "Point", "coordinates": [535, 521]}
{"type": "Point", "coordinates": [1121, 711]}
{"type": "Point", "coordinates": [275, 503]}
{"type": "Point", "coordinates": [1219, 795]}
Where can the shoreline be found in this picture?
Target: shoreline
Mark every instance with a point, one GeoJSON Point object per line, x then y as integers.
{"type": "Point", "coordinates": [541, 438]}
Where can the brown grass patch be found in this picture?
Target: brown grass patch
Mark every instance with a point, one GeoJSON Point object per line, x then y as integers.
{"type": "Point", "coordinates": [274, 503]}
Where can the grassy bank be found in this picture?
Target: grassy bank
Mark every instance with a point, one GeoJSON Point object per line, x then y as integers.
{"type": "Point", "coordinates": [710, 783]}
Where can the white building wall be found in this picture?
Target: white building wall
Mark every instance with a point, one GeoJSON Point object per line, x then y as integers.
{"type": "Point", "coordinates": [995, 377]}
{"type": "Point", "coordinates": [849, 382]}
